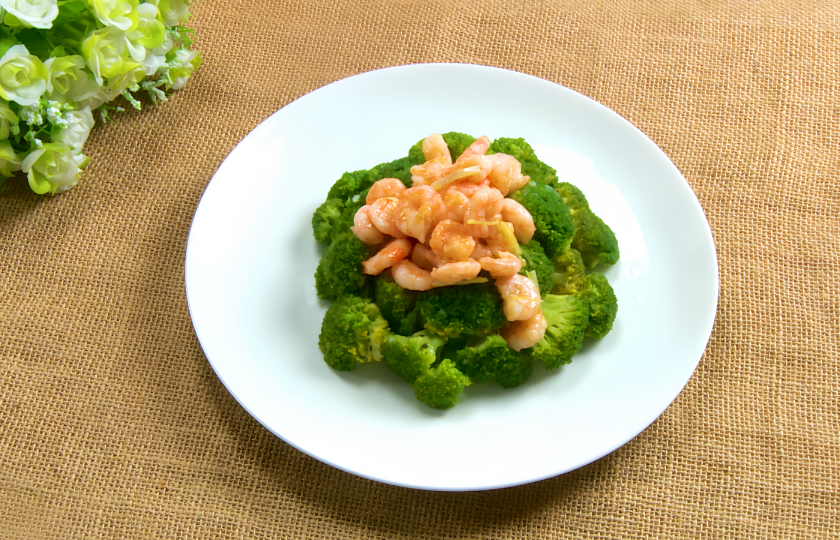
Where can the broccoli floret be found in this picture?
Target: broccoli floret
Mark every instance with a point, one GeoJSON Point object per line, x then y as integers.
{"type": "Point", "coordinates": [567, 317]}
{"type": "Point", "coordinates": [457, 143]}
{"type": "Point", "coordinates": [555, 229]}
{"type": "Point", "coordinates": [397, 305]}
{"type": "Point", "coordinates": [531, 166]}
{"type": "Point", "coordinates": [353, 331]}
{"type": "Point", "coordinates": [410, 357]}
{"type": "Point", "coordinates": [603, 305]}
{"type": "Point", "coordinates": [399, 169]}
{"type": "Point", "coordinates": [340, 271]}
{"type": "Point", "coordinates": [462, 310]}
{"type": "Point", "coordinates": [594, 239]}
{"type": "Point", "coordinates": [537, 261]}
{"type": "Point", "coordinates": [440, 387]}
{"type": "Point", "coordinates": [325, 218]}
{"type": "Point", "coordinates": [568, 272]}
{"type": "Point", "coordinates": [491, 359]}
{"type": "Point", "coordinates": [572, 196]}
{"type": "Point", "coordinates": [348, 185]}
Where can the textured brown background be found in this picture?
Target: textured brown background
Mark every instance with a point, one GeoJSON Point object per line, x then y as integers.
{"type": "Point", "coordinates": [114, 425]}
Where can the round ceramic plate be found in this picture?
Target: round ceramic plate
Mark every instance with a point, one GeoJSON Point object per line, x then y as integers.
{"type": "Point", "coordinates": [250, 287]}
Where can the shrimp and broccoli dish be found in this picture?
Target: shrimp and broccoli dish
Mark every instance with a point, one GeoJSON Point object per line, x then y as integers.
{"type": "Point", "coordinates": [467, 261]}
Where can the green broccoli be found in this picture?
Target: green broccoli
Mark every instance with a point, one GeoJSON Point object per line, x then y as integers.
{"type": "Point", "coordinates": [325, 218]}
{"type": "Point", "coordinates": [462, 310]}
{"type": "Point", "coordinates": [603, 305]}
{"type": "Point", "coordinates": [457, 143]}
{"type": "Point", "coordinates": [397, 305]}
{"type": "Point", "coordinates": [537, 261]}
{"type": "Point", "coordinates": [339, 272]}
{"type": "Point", "coordinates": [594, 239]}
{"type": "Point", "coordinates": [410, 357]}
{"type": "Point", "coordinates": [531, 166]}
{"type": "Point", "coordinates": [567, 317]}
{"type": "Point", "coordinates": [440, 387]}
{"type": "Point", "coordinates": [491, 359]}
{"type": "Point", "coordinates": [399, 169]}
{"type": "Point", "coordinates": [349, 184]}
{"type": "Point", "coordinates": [555, 228]}
{"type": "Point", "coordinates": [568, 272]}
{"type": "Point", "coordinates": [353, 331]}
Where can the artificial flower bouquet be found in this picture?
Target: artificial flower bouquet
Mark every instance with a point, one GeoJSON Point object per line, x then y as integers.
{"type": "Point", "coordinates": [61, 60]}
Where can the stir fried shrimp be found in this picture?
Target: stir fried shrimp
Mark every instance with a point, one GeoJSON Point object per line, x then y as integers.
{"type": "Point", "coordinates": [410, 276]}
{"type": "Point", "coordinates": [387, 187]}
{"type": "Point", "coordinates": [424, 257]}
{"type": "Point", "coordinates": [520, 297]}
{"type": "Point", "coordinates": [506, 173]}
{"type": "Point", "coordinates": [456, 205]}
{"type": "Point", "coordinates": [506, 265]}
{"type": "Point", "coordinates": [501, 237]}
{"type": "Point", "coordinates": [387, 257]}
{"type": "Point", "coordinates": [364, 229]}
{"type": "Point", "coordinates": [418, 209]}
{"type": "Point", "coordinates": [451, 241]}
{"type": "Point", "coordinates": [520, 218]}
{"type": "Point", "coordinates": [468, 188]}
{"type": "Point", "coordinates": [479, 147]}
{"type": "Point", "coordinates": [454, 272]}
{"type": "Point", "coordinates": [435, 147]}
{"type": "Point", "coordinates": [485, 206]}
{"type": "Point", "coordinates": [472, 169]}
{"type": "Point", "coordinates": [481, 250]}
{"type": "Point", "coordinates": [525, 334]}
{"type": "Point", "coordinates": [382, 213]}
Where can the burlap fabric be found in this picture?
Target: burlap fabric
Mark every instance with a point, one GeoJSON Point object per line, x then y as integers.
{"type": "Point", "coordinates": [115, 426]}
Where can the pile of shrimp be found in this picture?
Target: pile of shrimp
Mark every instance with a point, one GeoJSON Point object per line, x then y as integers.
{"type": "Point", "coordinates": [452, 223]}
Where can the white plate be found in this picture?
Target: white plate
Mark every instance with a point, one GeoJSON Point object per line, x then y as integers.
{"type": "Point", "coordinates": [250, 287]}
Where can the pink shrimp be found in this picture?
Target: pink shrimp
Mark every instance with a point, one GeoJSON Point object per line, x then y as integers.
{"type": "Point", "coordinates": [506, 265]}
{"type": "Point", "coordinates": [501, 237]}
{"type": "Point", "coordinates": [485, 206]}
{"type": "Point", "coordinates": [434, 147]}
{"type": "Point", "coordinates": [418, 209]}
{"type": "Point", "coordinates": [520, 218]}
{"type": "Point", "coordinates": [387, 187]}
{"type": "Point", "coordinates": [409, 276]}
{"type": "Point", "coordinates": [438, 161]}
{"type": "Point", "coordinates": [424, 257]}
{"type": "Point", "coordinates": [382, 213]}
{"type": "Point", "coordinates": [468, 188]}
{"type": "Point", "coordinates": [364, 229]}
{"type": "Point", "coordinates": [520, 297]}
{"type": "Point", "coordinates": [525, 334]}
{"type": "Point", "coordinates": [475, 168]}
{"type": "Point", "coordinates": [479, 147]}
{"type": "Point", "coordinates": [387, 257]}
{"type": "Point", "coordinates": [506, 173]}
{"type": "Point", "coordinates": [452, 273]}
{"type": "Point", "coordinates": [456, 205]}
{"type": "Point", "coordinates": [481, 250]}
{"type": "Point", "coordinates": [451, 241]}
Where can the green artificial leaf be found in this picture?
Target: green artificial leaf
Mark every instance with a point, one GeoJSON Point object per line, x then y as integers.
{"type": "Point", "coordinates": [36, 42]}
{"type": "Point", "coordinates": [7, 40]}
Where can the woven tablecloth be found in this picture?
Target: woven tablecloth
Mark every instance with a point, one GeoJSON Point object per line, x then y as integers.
{"type": "Point", "coordinates": [113, 424]}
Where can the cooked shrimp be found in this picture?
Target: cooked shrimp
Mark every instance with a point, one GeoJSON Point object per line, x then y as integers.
{"type": "Point", "coordinates": [424, 257]}
{"type": "Point", "coordinates": [418, 209]}
{"type": "Point", "coordinates": [409, 276]}
{"type": "Point", "coordinates": [468, 188]}
{"type": "Point", "coordinates": [473, 169]}
{"type": "Point", "coordinates": [387, 187]}
{"type": "Point", "coordinates": [364, 229]}
{"type": "Point", "coordinates": [481, 250]}
{"type": "Point", "coordinates": [387, 257]}
{"type": "Point", "coordinates": [506, 174]}
{"type": "Point", "coordinates": [520, 297]}
{"type": "Point", "coordinates": [382, 213]}
{"type": "Point", "coordinates": [456, 205]}
{"type": "Point", "coordinates": [434, 147]}
{"type": "Point", "coordinates": [501, 237]}
{"type": "Point", "coordinates": [485, 206]}
{"type": "Point", "coordinates": [451, 241]}
{"type": "Point", "coordinates": [506, 265]}
{"type": "Point", "coordinates": [520, 218]}
{"type": "Point", "coordinates": [479, 147]}
{"type": "Point", "coordinates": [452, 273]}
{"type": "Point", "coordinates": [429, 172]}
{"type": "Point", "coordinates": [525, 334]}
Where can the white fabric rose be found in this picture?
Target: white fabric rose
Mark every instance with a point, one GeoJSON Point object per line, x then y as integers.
{"type": "Point", "coordinates": [32, 13]}
{"type": "Point", "coordinates": [120, 14]}
{"type": "Point", "coordinates": [187, 62]}
{"type": "Point", "coordinates": [79, 124]}
{"type": "Point", "coordinates": [53, 168]}
{"type": "Point", "coordinates": [23, 78]}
